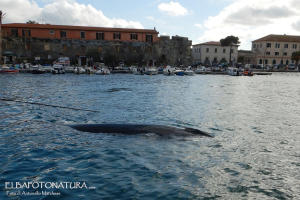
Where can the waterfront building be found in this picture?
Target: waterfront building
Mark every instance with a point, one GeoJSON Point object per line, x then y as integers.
{"type": "Point", "coordinates": [275, 49]}
{"type": "Point", "coordinates": [84, 45]}
{"type": "Point", "coordinates": [246, 57]}
{"type": "Point", "coordinates": [212, 52]}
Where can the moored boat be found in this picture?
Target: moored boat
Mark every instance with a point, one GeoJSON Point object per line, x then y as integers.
{"type": "Point", "coordinates": [151, 71]}
{"type": "Point", "coordinates": [79, 70]}
{"type": "Point", "coordinates": [232, 71]}
{"type": "Point", "coordinates": [9, 70]}
{"type": "Point", "coordinates": [103, 71]}
{"type": "Point", "coordinates": [38, 69]}
{"type": "Point", "coordinates": [189, 71]}
{"type": "Point", "coordinates": [137, 71]}
{"type": "Point", "coordinates": [168, 70]}
{"type": "Point", "coordinates": [179, 72]}
{"type": "Point", "coordinates": [58, 69]}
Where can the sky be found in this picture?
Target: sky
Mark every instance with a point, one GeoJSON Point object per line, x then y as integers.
{"type": "Point", "coordinates": [198, 20]}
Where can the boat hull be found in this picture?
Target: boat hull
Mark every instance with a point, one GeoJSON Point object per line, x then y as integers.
{"type": "Point", "coordinates": [9, 71]}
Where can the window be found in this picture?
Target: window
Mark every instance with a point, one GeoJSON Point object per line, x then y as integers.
{"type": "Point", "coordinates": [254, 47]}
{"type": "Point", "coordinates": [268, 45]}
{"type": "Point", "coordinates": [26, 33]}
{"type": "Point", "coordinates": [207, 50]}
{"type": "Point", "coordinates": [64, 47]}
{"type": "Point", "coordinates": [82, 47]}
{"type": "Point", "coordinates": [260, 45]}
{"type": "Point", "coordinates": [51, 32]}
{"type": "Point", "coordinates": [294, 46]}
{"type": "Point", "coordinates": [14, 32]}
{"type": "Point", "coordinates": [268, 53]}
{"type": "Point", "coordinates": [133, 36]}
{"type": "Point", "coordinates": [224, 50]}
{"type": "Point", "coordinates": [99, 36]}
{"type": "Point", "coordinates": [117, 48]}
{"type": "Point", "coordinates": [286, 45]}
{"type": "Point", "coordinates": [46, 47]}
{"type": "Point", "coordinates": [285, 53]}
{"type": "Point", "coordinates": [149, 38]}
{"type": "Point", "coordinates": [117, 36]}
{"type": "Point", "coordinates": [276, 53]}
{"type": "Point", "coordinates": [100, 48]}
{"type": "Point", "coordinates": [63, 34]}
{"type": "Point", "coordinates": [82, 34]}
{"type": "Point", "coordinates": [8, 46]}
{"type": "Point", "coordinates": [27, 46]}
{"type": "Point", "coordinates": [277, 45]}
{"type": "Point", "coordinates": [231, 50]}
{"type": "Point", "coordinates": [216, 50]}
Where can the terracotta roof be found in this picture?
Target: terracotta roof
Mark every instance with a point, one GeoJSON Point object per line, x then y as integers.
{"type": "Point", "coordinates": [86, 28]}
{"type": "Point", "coordinates": [279, 38]}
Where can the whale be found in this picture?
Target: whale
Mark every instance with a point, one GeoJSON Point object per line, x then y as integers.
{"type": "Point", "coordinates": [134, 129]}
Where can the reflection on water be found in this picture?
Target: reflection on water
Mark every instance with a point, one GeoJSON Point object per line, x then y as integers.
{"type": "Point", "coordinates": [254, 120]}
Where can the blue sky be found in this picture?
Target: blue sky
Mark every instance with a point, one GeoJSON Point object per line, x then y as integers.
{"type": "Point", "coordinates": [199, 20]}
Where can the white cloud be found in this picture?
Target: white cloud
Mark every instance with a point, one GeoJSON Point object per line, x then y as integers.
{"type": "Point", "coordinates": [250, 20]}
{"type": "Point", "coordinates": [159, 21]}
{"type": "Point", "coordinates": [199, 25]}
{"type": "Point", "coordinates": [63, 12]}
{"type": "Point", "coordinates": [173, 9]}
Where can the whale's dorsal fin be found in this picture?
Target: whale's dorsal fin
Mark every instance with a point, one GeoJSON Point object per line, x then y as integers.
{"type": "Point", "coordinates": [196, 132]}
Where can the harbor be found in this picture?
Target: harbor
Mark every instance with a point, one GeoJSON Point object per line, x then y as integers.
{"type": "Point", "coordinates": [253, 121]}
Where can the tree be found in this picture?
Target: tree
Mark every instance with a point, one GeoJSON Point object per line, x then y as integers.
{"type": "Point", "coordinates": [32, 22]}
{"type": "Point", "coordinates": [229, 41]}
{"type": "Point", "coordinates": [296, 56]}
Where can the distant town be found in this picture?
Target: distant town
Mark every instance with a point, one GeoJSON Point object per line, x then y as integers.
{"type": "Point", "coordinates": [84, 45]}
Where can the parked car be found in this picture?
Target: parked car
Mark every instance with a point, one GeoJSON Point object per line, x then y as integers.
{"type": "Point", "coordinates": [292, 66]}
{"type": "Point", "coordinates": [275, 66]}
{"type": "Point", "coordinates": [259, 66]}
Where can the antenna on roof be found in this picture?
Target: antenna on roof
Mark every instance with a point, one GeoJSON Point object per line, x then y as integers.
{"type": "Point", "coordinates": [42, 20]}
{"type": "Point", "coordinates": [73, 22]}
{"type": "Point", "coordinates": [2, 16]}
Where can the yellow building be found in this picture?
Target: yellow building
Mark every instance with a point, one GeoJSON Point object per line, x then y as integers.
{"type": "Point", "coordinates": [275, 49]}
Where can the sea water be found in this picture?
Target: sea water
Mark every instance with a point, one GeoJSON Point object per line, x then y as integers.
{"type": "Point", "coordinates": [254, 154]}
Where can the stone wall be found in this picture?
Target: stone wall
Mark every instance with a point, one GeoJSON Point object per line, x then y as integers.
{"type": "Point", "coordinates": [176, 51]}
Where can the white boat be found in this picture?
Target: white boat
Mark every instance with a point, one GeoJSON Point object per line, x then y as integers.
{"type": "Point", "coordinates": [90, 70]}
{"type": "Point", "coordinates": [58, 69]}
{"type": "Point", "coordinates": [168, 70]}
{"type": "Point", "coordinates": [79, 70]}
{"type": "Point", "coordinates": [137, 71]}
{"type": "Point", "coordinates": [200, 70]}
{"type": "Point", "coordinates": [38, 69]}
{"type": "Point", "coordinates": [189, 71]}
{"type": "Point", "coordinates": [103, 71]}
{"type": "Point", "coordinates": [151, 71]}
{"type": "Point", "coordinates": [232, 71]}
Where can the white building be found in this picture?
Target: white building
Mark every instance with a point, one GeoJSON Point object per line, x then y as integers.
{"type": "Point", "coordinates": [275, 49]}
{"type": "Point", "coordinates": [213, 52]}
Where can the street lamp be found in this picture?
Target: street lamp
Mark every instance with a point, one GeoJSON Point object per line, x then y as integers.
{"type": "Point", "coordinates": [283, 50]}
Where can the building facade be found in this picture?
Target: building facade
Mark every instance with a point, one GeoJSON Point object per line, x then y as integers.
{"type": "Point", "coordinates": [275, 49]}
{"type": "Point", "coordinates": [213, 52]}
{"type": "Point", "coordinates": [83, 45]}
